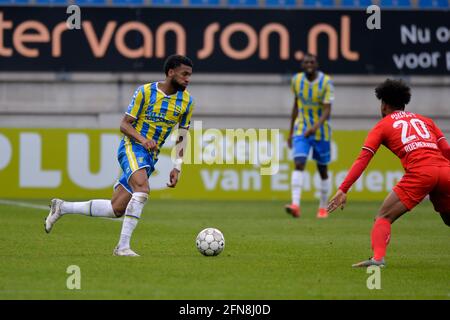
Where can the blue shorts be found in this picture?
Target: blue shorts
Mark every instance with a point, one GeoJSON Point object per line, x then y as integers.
{"type": "Point", "coordinates": [321, 149]}
{"type": "Point", "coordinates": [132, 157]}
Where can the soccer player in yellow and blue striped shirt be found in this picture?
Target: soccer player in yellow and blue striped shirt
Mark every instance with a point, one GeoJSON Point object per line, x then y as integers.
{"type": "Point", "coordinates": [310, 129]}
{"type": "Point", "coordinates": [149, 120]}
{"type": "Point", "coordinates": [155, 109]}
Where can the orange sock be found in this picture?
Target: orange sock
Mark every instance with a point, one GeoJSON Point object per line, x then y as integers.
{"type": "Point", "coordinates": [381, 234]}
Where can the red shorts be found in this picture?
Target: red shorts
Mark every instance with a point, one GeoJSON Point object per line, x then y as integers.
{"type": "Point", "coordinates": [416, 184]}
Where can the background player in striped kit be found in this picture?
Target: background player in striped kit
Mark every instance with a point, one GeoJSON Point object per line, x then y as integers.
{"type": "Point", "coordinates": [310, 129]}
{"type": "Point", "coordinates": [155, 109]}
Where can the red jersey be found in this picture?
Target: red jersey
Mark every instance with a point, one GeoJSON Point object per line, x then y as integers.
{"type": "Point", "coordinates": [411, 137]}
{"type": "Point", "coordinates": [415, 139]}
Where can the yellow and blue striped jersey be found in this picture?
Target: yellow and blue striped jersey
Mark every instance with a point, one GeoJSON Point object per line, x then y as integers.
{"type": "Point", "coordinates": [157, 114]}
{"type": "Point", "coordinates": [310, 98]}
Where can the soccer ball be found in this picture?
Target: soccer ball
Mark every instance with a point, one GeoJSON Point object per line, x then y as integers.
{"type": "Point", "coordinates": [210, 242]}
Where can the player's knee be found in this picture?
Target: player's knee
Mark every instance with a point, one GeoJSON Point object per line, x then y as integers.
{"type": "Point", "coordinates": [323, 171]}
{"type": "Point", "coordinates": [300, 163]}
{"type": "Point", "coordinates": [119, 208]}
{"type": "Point", "coordinates": [141, 185]}
{"type": "Point", "coordinates": [385, 214]}
{"type": "Point", "coordinates": [382, 213]}
{"type": "Point", "coordinates": [119, 213]}
{"type": "Point", "coordinates": [144, 188]}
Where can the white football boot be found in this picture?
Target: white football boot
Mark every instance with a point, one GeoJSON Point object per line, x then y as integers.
{"type": "Point", "coordinates": [370, 262]}
{"type": "Point", "coordinates": [54, 215]}
{"type": "Point", "coordinates": [127, 252]}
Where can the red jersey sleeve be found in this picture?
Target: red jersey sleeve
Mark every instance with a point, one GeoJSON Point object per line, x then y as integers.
{"type": "Point", "coordinates": [357, 169]}
{"type": "Point", "coordinates": [444, 147]}
{"type": "Point", "coordinates": [438, 133]}
{"type": "Point", "coordinates": [374, 138]}
{"type": "Point", "coordinates": [441, 141]}
{"type": "Point", "coordinates": [373, 141]}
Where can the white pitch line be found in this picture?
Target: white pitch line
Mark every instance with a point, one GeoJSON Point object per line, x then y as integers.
{"type": "Point", "coordinates": [24, 204]}
{"type": "Point", "coordinates": [41, 207]}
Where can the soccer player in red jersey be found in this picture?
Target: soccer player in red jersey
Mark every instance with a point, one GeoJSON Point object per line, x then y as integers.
{"type": "Point", "coordinates": [425, 156]}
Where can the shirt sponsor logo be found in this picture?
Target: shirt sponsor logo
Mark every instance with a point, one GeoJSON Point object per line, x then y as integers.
{"type": "Point", "coordinates": [159, 117]}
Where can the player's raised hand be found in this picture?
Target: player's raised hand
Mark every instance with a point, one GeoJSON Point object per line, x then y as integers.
{"type": "Point", "coordinates": [173, 178]}
{"type": "Point", "coordinates": [150, 145]}
{"type": "Point", "coordinates": [338, 200]}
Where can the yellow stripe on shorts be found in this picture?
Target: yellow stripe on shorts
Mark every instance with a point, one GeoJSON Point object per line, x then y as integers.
{"type": "Point", "coordinates": [130, 155]}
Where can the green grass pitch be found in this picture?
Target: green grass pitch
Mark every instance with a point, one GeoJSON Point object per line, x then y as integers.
{"type": "Point", "coordinates": [268, 254]}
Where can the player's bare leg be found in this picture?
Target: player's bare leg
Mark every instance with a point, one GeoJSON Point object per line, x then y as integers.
{"type": "Point", "coordinates": [446, 218]}
{"type": "Point", "coordinates": [119, 200]}
{"type": "Point", "coordinates": [390, 211]}
{"type": "Point", "coordinates": [93, 208]}
{"type": "Point", "coordinates": [296, 188]}
{"type": "Point", "coordinates": [324, 191]}
{"type": "Point", "coordinates": [139, 184]}
{"type": "Point", "coordinates": [392, 208]}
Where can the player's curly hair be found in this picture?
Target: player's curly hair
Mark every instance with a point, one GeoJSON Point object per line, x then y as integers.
{"type": "Point", "coordinates": [395, 93]}
{"type": "Point", "coordinates": [175, 61]}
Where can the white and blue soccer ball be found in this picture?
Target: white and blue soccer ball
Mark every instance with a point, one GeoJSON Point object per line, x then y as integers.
{"type": "Point", "coordinates": [210, 242]}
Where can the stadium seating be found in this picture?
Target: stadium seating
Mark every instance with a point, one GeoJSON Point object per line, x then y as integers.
{"type": "Point", "coordinates": [281, 3]}
{"type": "Point", "coordinates": [91, 2]}
{"type": "Point", "coordinates": [128, 2]}
{"type": "Point", "coordinates": [261, 4]}
{"type": "Point", "coordinates": [318, 3]}
{"type": "Point", "coordinates": [204, 3]}
{"type": "Point", "coordinates": [355, 3]}
{"type": "Point", "coordinates": [51, 2]}
{"type": "Point", "coordinates": [166, 2]}
{"type": "Point", "coordinates": [14, 1]}
{"type": "Point", "coordinates": [440, 4]}
{"type": "Point", "coordinates": [243, 3]}
{"type": "Point", "coordinates": [395, 3]}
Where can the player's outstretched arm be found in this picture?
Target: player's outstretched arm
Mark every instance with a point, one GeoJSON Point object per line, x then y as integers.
{"type": "Point", "coordinates": [338, 200]}
{"type": "Point", "coordinates": [358, 167]}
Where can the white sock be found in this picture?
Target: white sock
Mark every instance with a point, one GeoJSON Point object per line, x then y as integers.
{"type": "Point", "coordinates": [132, 215]}
{"type": "Point", "coordinates": [296, 186]}
{"type": "Point", "coordinates": [324, 192]}
{"type": "Point", "coordinates": [94, 208]}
